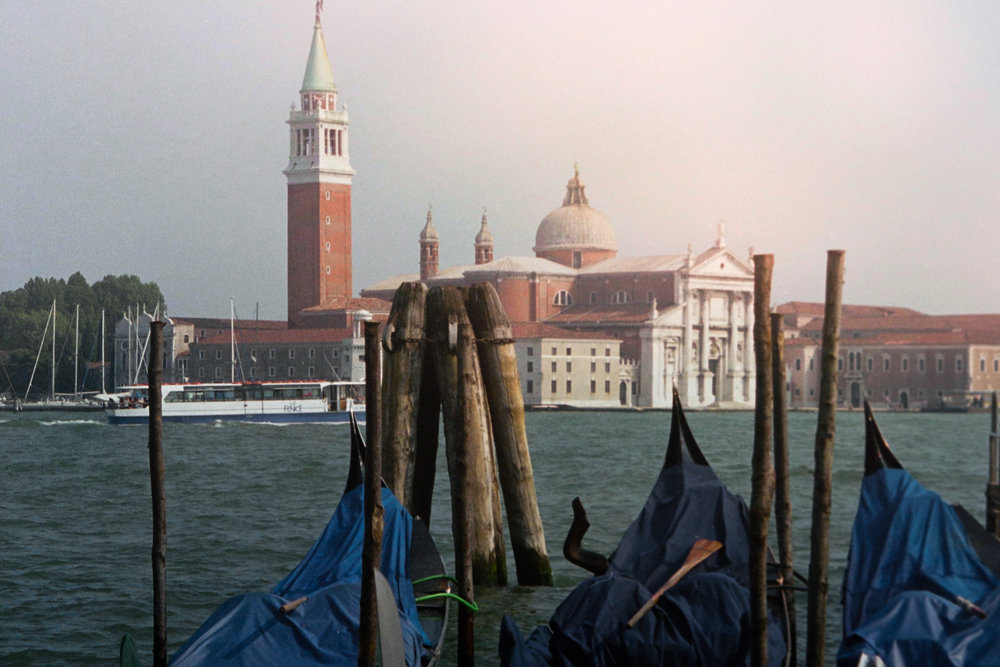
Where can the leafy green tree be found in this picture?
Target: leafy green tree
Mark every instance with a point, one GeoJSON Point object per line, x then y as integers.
{"type": "Point", "coordinates": [25, 311]}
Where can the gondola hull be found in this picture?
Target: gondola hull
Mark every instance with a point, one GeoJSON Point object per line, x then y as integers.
{"type": "Point", "coordinates": [703, 620]}
{"type": "Point", "coordinates": [912, 574]}
{"type": "Point", "coordinates": [312, 616]}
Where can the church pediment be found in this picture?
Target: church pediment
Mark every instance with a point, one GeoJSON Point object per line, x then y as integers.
{"type": "Point", "coordinates": [720, 263]}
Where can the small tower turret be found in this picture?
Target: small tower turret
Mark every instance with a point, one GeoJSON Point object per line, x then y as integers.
{"type": "Point", "coordinates": [428, 250]}
{"type": "Point", "coordinates": [484, 243]}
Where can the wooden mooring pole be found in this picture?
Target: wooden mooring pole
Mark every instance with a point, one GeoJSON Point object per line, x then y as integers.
{"type": "Point", "coordinates": [498, 362]}
{"type": "Point", "coordinates": [371, 553]}
{"type": "Point", "coordinates": [403, 346]}
{"type": "Point", "coordinates": [826, 427]}
{"type": "Point", "coordinates": [782, 492]}
{"type": "Point", "coordinates": [446, 318]}
{"type": "Point", "coordinates": [762, 474]}
{"type": "Point", "coordinates": [158, 490]}
{"type": "Point", "coordinates": [463, 489]}
{"type": "Point", "coordinates": [993, 488]}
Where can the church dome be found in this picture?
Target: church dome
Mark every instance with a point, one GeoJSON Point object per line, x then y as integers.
{"type": "Point", "coordinates": [485, 236]}
{"type": "Point", "coordinates": [428, 233]}
{"type": "Point", "coordinates": [575, 226]}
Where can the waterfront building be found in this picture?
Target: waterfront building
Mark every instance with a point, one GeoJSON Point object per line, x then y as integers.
{"type": "Point", "coordinates": [571, 368]}
{"type": "Point", "coordinates": [897, 358]}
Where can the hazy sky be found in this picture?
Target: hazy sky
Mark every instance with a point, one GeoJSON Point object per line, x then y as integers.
{"type": "Point", "coordinates": [149, 137]}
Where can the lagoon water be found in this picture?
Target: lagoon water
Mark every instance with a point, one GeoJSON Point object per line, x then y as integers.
{"type": "Point", "coordinates": [246, 501]}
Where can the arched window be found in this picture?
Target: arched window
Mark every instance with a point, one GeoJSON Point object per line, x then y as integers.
{"type": "Point", "coordinates": [562, 298]}
{"type": "Point", "coordinates": [620, 296]}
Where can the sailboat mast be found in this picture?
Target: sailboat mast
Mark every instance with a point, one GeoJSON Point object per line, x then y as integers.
{"type": "Point", "coordinates": [53, 394]}
{"type": "Point", "coordinates": [103, 366]}
{"type": "Point", "coordinates": [38, 356]}
{"type": "Point", "coordinates": [232, 340]}
{"type": "Point", "coordinates": [76, 355]}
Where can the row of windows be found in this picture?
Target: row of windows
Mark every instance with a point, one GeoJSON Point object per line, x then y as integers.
{"type": "Point", "coordinates": [554, 386]}
{"type": "Point", "coordinates": [304, 141]}
{"type": "Point", "coordinates": [271, 372]}
{"type": "Point", "coordinates": [854, 362]}
{"type": "Point", "coordinates": [886, 392]}
{"type": "Point", "coordinates": [530, 368]}
{"type": "Point", "coordinates": [569, 351]}
{"type": "Point", "coordinates": [242, 394]}
{"type": "Point", "coordinates": [272, 353]}
{"type": "Point", "coordinates": [564, 298]}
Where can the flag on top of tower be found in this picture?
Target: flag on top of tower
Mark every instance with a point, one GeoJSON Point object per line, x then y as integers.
{"type": "Point", "coordinates": [319, 8]}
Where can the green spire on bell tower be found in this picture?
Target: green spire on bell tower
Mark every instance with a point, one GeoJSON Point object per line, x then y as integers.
{"type": "Point", "coordinates": [319, 74]}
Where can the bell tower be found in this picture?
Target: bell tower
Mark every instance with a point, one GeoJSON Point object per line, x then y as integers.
{"type": "Point", "coordinates": [484, 243]}
{"type": "Point", "coordinates": [428, 250]}
{"type": "Point", "coordinates": [319, 189]}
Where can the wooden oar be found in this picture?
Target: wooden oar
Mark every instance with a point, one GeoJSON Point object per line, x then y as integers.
{"type": "Point", "coordinates": [701, 550]}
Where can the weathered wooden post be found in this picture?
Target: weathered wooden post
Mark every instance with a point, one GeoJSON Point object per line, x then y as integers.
{"type": "Point", "coordinates": [498, 362]}
{"type": "Point", "coordinates": [782, 492]}
{"type": "Point", "coordinates": [826, 428]}
{"type": "Point", "coordinates": [762, 474]}
{"type": "Point", "coordinates": [158, 490]}
{"type": "Point", "coordinates": [403, 343]}
{"type": "Point", "coordinates": [993, 488]}
{"type": "Point", "coordinates": [446, 315]}
{"type": "Point", "coordinates": [371, 552]}
{"type": "Point", "coordinates": [462, 485]}
{"type": "Point", "coordinates": [425, 458]}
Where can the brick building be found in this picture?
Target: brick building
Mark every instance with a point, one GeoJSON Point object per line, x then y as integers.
{"type": "Point", "coordinates": [897, 358]}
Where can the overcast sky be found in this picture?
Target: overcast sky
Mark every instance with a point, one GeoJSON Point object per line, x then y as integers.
{"type": "Point", "coordinates": [150, 137]}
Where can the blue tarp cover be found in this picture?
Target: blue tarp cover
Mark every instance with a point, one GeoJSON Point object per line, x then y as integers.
{"type": "Point", "coordinates": [703, 620]}
{"type": "Point", "coordinates": [250, 630]}
{"type": "Point", "coordinates": [909, 558]}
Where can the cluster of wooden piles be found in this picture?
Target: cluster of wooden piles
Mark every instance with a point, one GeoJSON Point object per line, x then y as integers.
{"type": "Point", "coordinates": [450, 350]}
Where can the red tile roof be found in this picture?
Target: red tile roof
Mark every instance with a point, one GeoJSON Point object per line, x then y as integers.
{"type": "Point", "coordinates": [370, 304]}
{"type": "Point", "coordinates": [543, 330]}
{"type": "Point", "coordinates": [220, 323]}
{"type": "Point", "coordinates": [604, 314]}
{"type": "Point", "coordinates": [816, 309]}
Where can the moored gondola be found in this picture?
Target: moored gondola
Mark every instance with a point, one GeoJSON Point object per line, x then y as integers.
{"type": "Point", "coordinates": [917, 589]}
{"type": "Point", "coordinates": [702, 620]}
{"type": "Point", "coordinates": [312, 616]}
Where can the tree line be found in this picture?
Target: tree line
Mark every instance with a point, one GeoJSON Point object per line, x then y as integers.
{"type": "Point", "coordinates": [25, 311]}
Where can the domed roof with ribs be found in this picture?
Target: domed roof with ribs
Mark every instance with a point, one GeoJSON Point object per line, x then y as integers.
{"type": "Point", "coordinates": [575, 225]}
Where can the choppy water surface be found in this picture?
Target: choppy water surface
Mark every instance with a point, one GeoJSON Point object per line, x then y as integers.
{"type": "Point", "coordinates": [246, 501]}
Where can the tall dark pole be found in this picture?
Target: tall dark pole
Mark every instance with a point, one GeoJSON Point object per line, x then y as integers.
{"type": "Point", "coordinates": [762, 474]}
{"type": "Point", "coordinates": [993, 488]}
{"type": "Point", "coordinates": [371, 554]}
{"type": "Point", "coordinates": [826, 428]}
{"type": "Point", "coordinates": [782, 492]}
{"type": "Point", "coordinates": [159, 494]}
